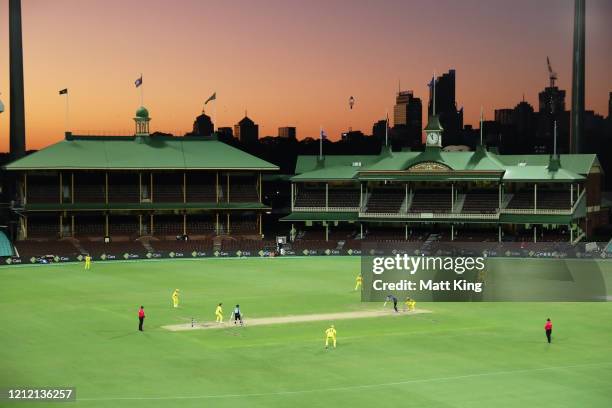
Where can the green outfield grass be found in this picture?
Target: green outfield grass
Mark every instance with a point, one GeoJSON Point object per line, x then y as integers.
{"type": "Point", "coordinates": [63, 326]}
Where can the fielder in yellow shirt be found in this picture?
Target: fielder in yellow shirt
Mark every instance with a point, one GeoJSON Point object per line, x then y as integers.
{"type": "Point", "coordinates": [330, 334]}
{"type": "Point", "coordinates": [410, 304]}
{"type": "Point", "coordinates": [358, 282]}
{"type": "Point", "coordinates": [175, 297]}
{"type": "Point", "coordinates": [219, 313]}
{"type": "Point", "coordinates": [87, 262]}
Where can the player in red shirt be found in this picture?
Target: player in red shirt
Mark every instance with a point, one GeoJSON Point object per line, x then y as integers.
{"type": "Point", "coordinates": [141, 317]}
{"type": "Point", "coordinates": [548, 328]}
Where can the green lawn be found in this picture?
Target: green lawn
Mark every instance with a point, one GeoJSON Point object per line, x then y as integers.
{"type": "Point", "coordinates": [62, 326]}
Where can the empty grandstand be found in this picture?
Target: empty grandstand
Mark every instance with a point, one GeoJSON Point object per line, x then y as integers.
{"type": "Point", "coordinates": [460, 194]}
{"type": "Point", "coordinates": [103, 194]}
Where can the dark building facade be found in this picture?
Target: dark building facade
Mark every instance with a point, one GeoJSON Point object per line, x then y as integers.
{"type": "Point", "coordinates": [446, 107]}
{"type": "Point", "coordinates": [287, 132]}
{"type": "Point", "coordinates": [246, 130]}
{"type": "Point", "coordinates": [407, 120]}
{"type": "Point", "coordinates": [203, 125]}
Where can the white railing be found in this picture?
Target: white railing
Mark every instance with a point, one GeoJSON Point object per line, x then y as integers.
{"type": "Point", "coordinates": [539, 211]}
{"type": "Point", "coordinates": [457, 216]}
{"type": "Point", "coordinates": [324, 209]}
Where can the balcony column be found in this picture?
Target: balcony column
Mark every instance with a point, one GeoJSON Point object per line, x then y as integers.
{"type": "Point", "coordinates": [571, 233]}
{"type": "Point", "coordinates": [260, 225]}
{"type": "Point", "coordinates": [572, 195]}
{"type": "Point", "coordinates": [152, 225]}
{"type": "Point", "coordinates": [61, 226]}
{"type": "Point", "coordinates": [326, 232]}
{"type": "Point", "coordinates": [184, 187]}
{"type": "Point", "coordinates": [499, 188]}
{"type": "Point", "coordinates": [406, 232]}
{"type": "Point", "coordinates": [71, 225]}
{"type": "Point", "coordinates": [326, 197]}
{"type": "Point", "coordinates": [499, 233]}
{"type": "Point", "coordinates": [452, 232]}
{"type": "Point", "coordinates": [184, 223]}
{"type": "Point", "coordinates": [228, 187]}
{"type": "Point", "coordinates": [25, 227]}
{"type": "Point", "coordinates": [260, 187]}
{"type": "Point", "coordinates": [72, 188]}
{"type": "Point", "coordinates": [292, 195]}
{"type": "Point", "coordinates": [24, 199]}
{"type": "Point", "coordinates": [106, 188]}
{"type": "Point", "coordinates": [151, 192]}
{"type": "Point", "coordinates": [217, 187]}
{"type": "Point", "coordinates": [452, 198]}
{"type": "Point", "coordinates": [106, 230]}
{"type": "Point", "coordinates": [228, 224]}
{"type": "Point", "coordinates": [139, 224]}
{"type": "Point", "coordinates": [535, 234]}
{"type": "Point", "coordinates": [217, 223]}
{"type": "Point", "coordinates": [361, 230]}
{"type": "Point", "coordinates": [406, 199]}
{"type": "Point", "coordinates": [140, 190]}
{"type": "Point", "coordinates": [61, 188]}
{"type": "Point", "coordinates": [535, 198]}
{"type": "Point", "coordinates": [360, 196]}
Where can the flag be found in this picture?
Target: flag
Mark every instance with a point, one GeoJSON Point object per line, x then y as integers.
{"type": "Point", "coordinates": [212, 97]}
{"type": "Point", "coordinates": [323, 135]}
{"type": "Point", "coordinates": [138, 81]}
{"type": "Point", "coordinates": [63, 91]}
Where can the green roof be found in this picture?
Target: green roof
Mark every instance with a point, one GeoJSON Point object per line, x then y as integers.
{"type": "Point", "coordinates": [142, 112]}
{"type": "Point", "coordinates": [329, 173]}
{"type": "Point", "coordinates": [479, 164]}
{"type": "Point", "coordinates": [578, 163]}
{"type": "Point", "coordinates": [310, 163]}
{"type": "Point", "coordinates": [129, 152]}
{"type": "Point", "coordinates": [433, 123]}
{"type": "Point", "coordinates": [538, 173]}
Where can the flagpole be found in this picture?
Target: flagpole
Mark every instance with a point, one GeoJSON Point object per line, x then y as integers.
{"type": "Point", "coordinates": [434, 93]}
{"type": "Point", "coordinates": [481, 125]}
{"type": "Point", "coordinates": [67, 114]}
{"type": "Point", "coordinates": [141, 91]}
{"type": "Point", "coordinates": [215, 113]}
{"type": "Point", "coordinates": [387, 130]}
{"type": "Point", "coordinates": [321, 143]}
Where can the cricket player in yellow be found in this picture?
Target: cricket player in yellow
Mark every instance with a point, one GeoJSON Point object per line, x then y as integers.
{"type": "Point", "coordinates": [219, 313]}
{"type": "Point", "coordinates": [87, 262]}
{"type": "Point", "coordinates": [330, 334]}
{"type": "Point", "coordinates": [358, 282]}
{"type": "Point", "coordinates": [175, 297]}
{"type": "Point", "coordinates": [410, 304]}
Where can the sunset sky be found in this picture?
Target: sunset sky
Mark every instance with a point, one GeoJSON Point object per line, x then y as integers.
{"type": "Point", "coordinates": [288, 62]}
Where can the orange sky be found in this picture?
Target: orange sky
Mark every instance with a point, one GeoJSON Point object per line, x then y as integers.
{"type": "Point", "coordinates": [287, 62]}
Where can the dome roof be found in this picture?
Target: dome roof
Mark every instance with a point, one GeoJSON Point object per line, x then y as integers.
{"type": "Point", "coordinates": [142, 112]}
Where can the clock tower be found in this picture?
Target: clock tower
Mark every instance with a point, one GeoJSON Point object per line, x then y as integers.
{"type": "Point", "coordinates": [433, 132]}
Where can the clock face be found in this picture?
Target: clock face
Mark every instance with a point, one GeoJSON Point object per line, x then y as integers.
{"type": "Point", "coordinates": [432, 138]}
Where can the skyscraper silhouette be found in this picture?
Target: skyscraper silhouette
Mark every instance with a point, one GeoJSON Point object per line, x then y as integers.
{"type": "Point", "coordinates": [446, 107]}
{"type": "Point", "coordinates": [407, 119]}
{"type": "Point", "coordinates": [246, 130]}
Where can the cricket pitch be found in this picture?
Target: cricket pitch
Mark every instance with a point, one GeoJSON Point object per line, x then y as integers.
{"type": "Point", "coordinates": [294, 319]}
